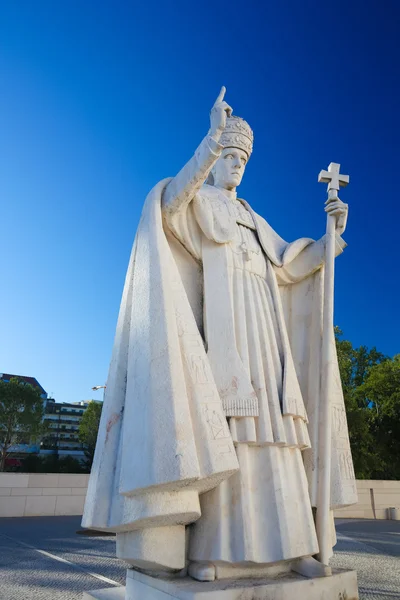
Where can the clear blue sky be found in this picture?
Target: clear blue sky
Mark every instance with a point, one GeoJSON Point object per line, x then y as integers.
{"type": "Point", "coordinates": [100, 100]}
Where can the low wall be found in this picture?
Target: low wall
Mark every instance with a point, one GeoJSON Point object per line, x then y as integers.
{"type": "Point", "coordinates": [374, 498]}
{"type": "Point", "coordinates": [37, 494]}
{"type": "Point", "coordinates": [41, 494]}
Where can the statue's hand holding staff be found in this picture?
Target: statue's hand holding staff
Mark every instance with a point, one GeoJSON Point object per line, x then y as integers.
{"type": "Point", "coordinates": [337, 208]}
{"type": "Point", "coordinates": [219, 112]}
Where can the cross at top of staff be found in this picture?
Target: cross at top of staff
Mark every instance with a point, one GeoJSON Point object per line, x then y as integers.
{"type": "Point", "coordinates": [333, 178]}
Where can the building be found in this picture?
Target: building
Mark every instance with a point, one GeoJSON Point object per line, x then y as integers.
{"type": "Point", "coordinates": [25, 379]}
{"type": "Point", "coordinates": [62, 420]}
{"type": "Point", "coordinates": [20, 450]}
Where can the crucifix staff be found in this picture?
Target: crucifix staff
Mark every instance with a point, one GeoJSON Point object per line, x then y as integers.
{"type": "Point", "coordinates": [335, 180]}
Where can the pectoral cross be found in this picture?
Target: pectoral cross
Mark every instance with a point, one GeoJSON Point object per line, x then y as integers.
{"type": "Point", "coordinates": [246, 250]}
{"type": "Point", "coordinates": [334, 179]}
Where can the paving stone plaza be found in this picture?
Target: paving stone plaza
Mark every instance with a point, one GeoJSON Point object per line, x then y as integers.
{"type": "Point", "coordinates": [43, 558]}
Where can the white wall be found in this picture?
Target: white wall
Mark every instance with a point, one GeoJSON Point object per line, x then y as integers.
{"type": "Point", "coordinates": [374, 498]}
{"type": "Point", "coordinates": [37, 494]}
{"type": "Point", "coordinates": [41, 494]}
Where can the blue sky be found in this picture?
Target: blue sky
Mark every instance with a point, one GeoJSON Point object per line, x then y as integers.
{"type": "Point", "coordinates": [100, 100]}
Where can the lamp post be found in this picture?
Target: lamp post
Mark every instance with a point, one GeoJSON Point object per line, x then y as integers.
{"type": "Point", "coordinates": [100, 387]}
{"type": "Point", "coordinates": [93, 532]}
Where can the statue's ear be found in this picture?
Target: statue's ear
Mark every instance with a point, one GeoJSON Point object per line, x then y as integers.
{"type": "Point", "coordinates": [210, 179]}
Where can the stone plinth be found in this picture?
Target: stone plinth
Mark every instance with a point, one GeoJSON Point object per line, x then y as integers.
{"type": "Point", "coordinates": [341, 586]}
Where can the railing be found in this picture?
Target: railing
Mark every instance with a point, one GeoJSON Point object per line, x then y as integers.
{"type": "Point", "coordinates": [63, 425]}
{"type": "Point", "coordinates": [61, 419]}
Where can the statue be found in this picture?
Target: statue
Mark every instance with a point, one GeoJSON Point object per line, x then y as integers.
{"type": "Point", "coordinates": [208, 456]}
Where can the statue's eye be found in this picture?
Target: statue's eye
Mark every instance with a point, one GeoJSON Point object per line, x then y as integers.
{"type": "Point", "coordinates": [243, 161]}
{"type": "Point", "coordinates": [228, 156]}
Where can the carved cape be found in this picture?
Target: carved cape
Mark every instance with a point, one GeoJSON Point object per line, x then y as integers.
{"type": "Point", "coordinates": [163, 424]}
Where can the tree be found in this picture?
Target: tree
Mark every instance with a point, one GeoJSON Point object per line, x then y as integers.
{"type": "Point", "coordinates": [381, 392]}
{"type": "Point", "coordinates": [88, 429]}
{"type": "Point", "coordinates": [355, 366]}
{"type": "Point", "coordinates": [21, 415]}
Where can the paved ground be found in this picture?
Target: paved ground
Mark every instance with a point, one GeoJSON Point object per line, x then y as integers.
{"type": "Point", "coordinates": [42, 558]}
{"type": "Point", "coordinates": [372, 548]}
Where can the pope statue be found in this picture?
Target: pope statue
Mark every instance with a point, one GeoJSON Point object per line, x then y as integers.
{"type": "Point", "coordinates": [207, 458]}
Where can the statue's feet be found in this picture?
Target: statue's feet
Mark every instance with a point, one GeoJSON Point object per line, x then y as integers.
{"type": "Point", "coordinates": [310, 567]}
{"type": "Point", "coordinates": [202, 571]}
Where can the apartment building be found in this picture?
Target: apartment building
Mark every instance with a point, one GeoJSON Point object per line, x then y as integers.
{"type": "Point", "coordinates": [62, 421]}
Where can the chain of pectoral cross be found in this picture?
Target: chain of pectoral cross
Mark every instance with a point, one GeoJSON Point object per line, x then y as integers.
{"type": "Point", "coordinates": [243, 217]}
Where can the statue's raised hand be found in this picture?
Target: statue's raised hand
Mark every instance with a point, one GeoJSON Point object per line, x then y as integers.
{"type": "Point", "coordinates": [337, 208]}
{"type": "Point", "coordinates": [218, 115]}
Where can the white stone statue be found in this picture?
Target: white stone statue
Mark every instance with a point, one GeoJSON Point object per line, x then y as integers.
{"type": "Point", "coordinates": [208, 451]}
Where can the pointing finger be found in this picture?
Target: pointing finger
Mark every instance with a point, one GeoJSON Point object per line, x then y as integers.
{"type": "Point", "coordinates": [221, 95]}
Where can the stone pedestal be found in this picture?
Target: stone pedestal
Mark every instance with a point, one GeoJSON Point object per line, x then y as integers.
{"type": "Point", "coordinates": [341, 586]}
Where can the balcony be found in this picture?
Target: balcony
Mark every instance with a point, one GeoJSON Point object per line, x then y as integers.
{"type": "Point", "coordinates": [62, 419]}
{"type": "Point", "coordinates": [61, 427]}
{"type": "Point", "coordinates": [24, 449]}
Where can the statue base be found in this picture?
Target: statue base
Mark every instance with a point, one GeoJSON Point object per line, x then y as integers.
{"type": "Point", "coordinates": [290, 586]}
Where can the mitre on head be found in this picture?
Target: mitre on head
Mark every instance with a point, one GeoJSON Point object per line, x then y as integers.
{"type": "Point", "coordinates": [237, 134]}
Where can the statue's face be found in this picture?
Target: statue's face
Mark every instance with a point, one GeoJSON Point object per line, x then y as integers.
{"type": "Point", "coordinates": [229, 168]}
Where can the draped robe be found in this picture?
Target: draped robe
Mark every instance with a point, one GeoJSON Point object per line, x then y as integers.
{"type": "Point", "coordinates": [211, 413]}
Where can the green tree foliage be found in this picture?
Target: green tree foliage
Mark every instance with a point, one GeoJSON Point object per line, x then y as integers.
{"type": "Point", "coordinates": [21, 415]}
{"type": "Point", "coordinates": [371, 388]}
{"type": "Point", "coordinates": [381, 393]}
{"type": "Point", "coordinates": [88, 429]}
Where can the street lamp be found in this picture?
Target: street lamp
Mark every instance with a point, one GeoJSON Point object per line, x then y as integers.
{"type": "Point", "coordinates": [100, 387]}
{"type": "Point", "coordinates": [94, 532]}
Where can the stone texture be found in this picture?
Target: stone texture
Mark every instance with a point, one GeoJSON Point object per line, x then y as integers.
{"type": "Point", "coordinates": [29, 491]}
{"type": "Point", "coordinates": [361, 510]}
{"type": "Point", "coordinates": [42, 485]}
{"type": "Point", "coordinates": [212, 416]}
{"type": "Point", "coordinates": [146, 543]}
{"type": "Point", "coordinates": [70, 481]}
{"type": "Point", "coordinates": [69, 505]}
{"type": "Point", "coordinates": [43, 480]}
{"type": "Point", "coordinates": [14, 480]}
{"type": "Point", "coordinates": [37, 506]}
{"type": "Point", "coordinates": [342, 585]}
{"type": "Point", "coordinates": [374, 498]}
{"type": "Point", "coordinates": [79, 491]}
{"type": "Point", "coordinates": [58, 491]}
{"type": "Point", "coordinates": [12, 506]}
